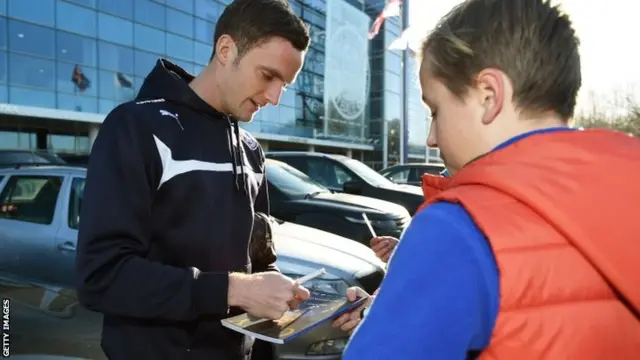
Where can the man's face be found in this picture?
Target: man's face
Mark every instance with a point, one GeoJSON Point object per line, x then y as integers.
{"type": "Point", "coordinates": [259, 77]}
{"type": "Point", "coordinates": [455, 122]}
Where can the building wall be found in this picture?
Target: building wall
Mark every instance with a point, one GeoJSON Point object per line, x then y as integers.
{"type": "Point", "coordinates": [112, 40]}
{"type": "Point", "coordinates": [418, 115]}
{"type": "Point", "coordinates": [385, 105]}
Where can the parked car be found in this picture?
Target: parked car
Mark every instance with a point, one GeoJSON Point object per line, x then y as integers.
{"type": "Point", "coordinates": [39, 218]}
{"type": "Point", "coordinates": [75, 159]}
{"type": "Point", "coordinates": [296, 197]}
{"type": "Point", "coordinates": [16, 157]}
{"type": "Point", "coordinates": [344, 174]}
{"type": "Point", "coordinates": [411, 174]}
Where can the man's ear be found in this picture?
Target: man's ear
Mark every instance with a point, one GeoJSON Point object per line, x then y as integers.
{"type": "Point", "coordinates": [226, 50]}
{"type": "Point", "coordinates": [490, 83]}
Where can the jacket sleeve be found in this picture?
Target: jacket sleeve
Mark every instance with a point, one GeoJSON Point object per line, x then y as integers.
{"type": "Point", "coordinates": [267, 261]}
{"type": "Point", "coordinates": [441, 292]}
{"type": "Point", "coordinates": [113, 274]}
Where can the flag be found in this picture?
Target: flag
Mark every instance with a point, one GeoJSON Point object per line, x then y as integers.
{"type": "Point", "coordinates": [79, 79]}
{"type": "Point", "coordinates": [408, 40]}
{"type": "Point", "coordinates": [122, 81]}
{"type": "Point", "coordinates": [390, 10]}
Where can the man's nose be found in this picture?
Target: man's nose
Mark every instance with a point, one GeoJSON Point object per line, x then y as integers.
{"type": "Point", "coordinates": [273, 94]}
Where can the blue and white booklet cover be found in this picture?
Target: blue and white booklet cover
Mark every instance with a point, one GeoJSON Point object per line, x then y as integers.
{"type": "Point", "coordinates": [320, 308]}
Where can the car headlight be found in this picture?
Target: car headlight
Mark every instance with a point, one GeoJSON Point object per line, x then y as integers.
{"type": "Point", "coordinates": [377, 223]}
{"type": "Point", "coordinates": [328, 283]}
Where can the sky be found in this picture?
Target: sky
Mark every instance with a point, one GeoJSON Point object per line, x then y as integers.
{"type": "Point", "coordinates": [608, 46]}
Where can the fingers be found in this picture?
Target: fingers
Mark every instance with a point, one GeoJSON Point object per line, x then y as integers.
{"type": "Point", "coordinates": [353, 293]}
{"type": "Point", "coordinates": [386, 255]}
{"type": "Point", "coordinates": [341, 320]}
{"type": "Point", "coordinates": [301, 293]}
{"type": "Point", "coordinates": [349, 321]}
{"type": "Point", "coordinates": [380, 245]}
{"type": "Point", "coordinates": [277, 312]}
{"type": "Point", "coordinates": [350, 325]}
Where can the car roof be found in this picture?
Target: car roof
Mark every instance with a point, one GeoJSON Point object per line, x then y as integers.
{"type": "Point", "coordinates": [39, 169]}
{"type": "Point", "coordinates": [307, 154]}
{"type": "Point", "coordinates": [414, 165]}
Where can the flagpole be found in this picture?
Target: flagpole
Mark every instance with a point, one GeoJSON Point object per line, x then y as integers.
{"type": "Point", "coordinates": [404, 124]}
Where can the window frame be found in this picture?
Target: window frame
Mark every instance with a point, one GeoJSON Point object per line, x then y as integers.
{"type": "Point", "coordinates": [74, 225]}
{"type": "Point", "coordinates": [11, 184]}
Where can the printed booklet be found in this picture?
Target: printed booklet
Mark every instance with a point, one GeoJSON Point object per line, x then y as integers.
{"type": "Point", "coordinates": [320, 308]}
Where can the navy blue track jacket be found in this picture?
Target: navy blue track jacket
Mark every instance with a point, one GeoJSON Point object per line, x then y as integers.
{"type": "Point", "coordinates": [167, 214]}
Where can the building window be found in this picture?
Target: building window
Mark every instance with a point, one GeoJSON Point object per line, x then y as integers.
{"type": "Point", "coordinates": [77, 103]}
{"type": "Point", "coordinates": [32, 97]}
{"type": "Point", "coordinates": [149, 13]}
{"type": "Point", "coordinates": [184, 5]}
{"type": "Point", "coordinates": [149, 39]}
{"type": "Point", "coordinates": [87, 3]}
{"type": "Point", "coordinates": [17, 140]}
{"type": "Point", "coordinates": [68, 143]}
{"type": "Point", "coordinates": [204, 30]}
{"type": "Point", "coordinates": [66, 84]}
{"type": "Point", "coordinates": [32, 72]}
{"type": "Point", "coordinates": [180, 23]}
{"type": "Point", "coordinates": [76, 49]}
{"type": "Point", "coordinates": [122, 8]}
{"type": "Point", "coordinates": [180, 47]}
{"type": "Point", "coordinates": [208, 10]}
{"type": "Point", "coordinates": [21, 9]}
{"type": "Point", "coordinates": [3, 32]}
{"type": "Point", "coordinates": [76, 19]}
{"type": "Point", "coordinates": [3, 67]}
{"type": "Point", "coordinates": [115, 29]}
{"type": "Point", "coordinates": [144, 62]}
{"type": "Point", "coordinates": [115, 57]}
{"type": "Point", "coordinates": [202, 53]}
{"type": "Point", "coordinates": [31, 39]}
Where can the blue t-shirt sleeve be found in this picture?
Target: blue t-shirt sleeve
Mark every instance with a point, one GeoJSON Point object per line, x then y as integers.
{"type": "Point", "coordinates": [439, 299]}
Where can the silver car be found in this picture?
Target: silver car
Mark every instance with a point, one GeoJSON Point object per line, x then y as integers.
{"type": "Point", "coordinates": [39, 217]}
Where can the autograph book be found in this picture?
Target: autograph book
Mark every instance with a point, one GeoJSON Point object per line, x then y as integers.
{"type": "Point", "coordinates": [320, 308]}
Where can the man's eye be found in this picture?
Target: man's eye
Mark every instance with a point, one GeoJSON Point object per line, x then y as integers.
{"type": "Point", "coordinates": [267, 77]}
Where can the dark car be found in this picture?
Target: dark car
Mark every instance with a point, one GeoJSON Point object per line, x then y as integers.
{"type": "Point", "coordinates": [296, 197]}
{"type": "Point", "coordinates": [75, 159]}
{"type": "Point", "coordinates": [42, 318]}
{"type": "Point", "coordinates": [411, 174]}
{"type": "Point", "coordinates": [344, 174]}
{"type": "Point", "coordinates": [12, 158]}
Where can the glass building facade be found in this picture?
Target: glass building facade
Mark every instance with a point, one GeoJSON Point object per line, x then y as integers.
{"type": "Point", "coordinates": [417, 115]}
{"type": "Point", "coordinates": [88, 56]}
{"type": "Point", "coordinates": [385, 103]}
{"type": "Point", "coordinates": [111, 44]}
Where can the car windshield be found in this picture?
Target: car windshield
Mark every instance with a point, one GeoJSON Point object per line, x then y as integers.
{"type": "Point", "coordinates": [291, 181]}
{"type": "Point", "coordinates": [367, 173]}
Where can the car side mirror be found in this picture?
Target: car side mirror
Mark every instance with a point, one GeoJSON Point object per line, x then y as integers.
{"type": "Point", "coordinates": [352, 187]}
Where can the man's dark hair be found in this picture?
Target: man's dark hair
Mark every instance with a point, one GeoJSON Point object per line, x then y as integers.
{"type": "Point", "coordinates": [250, 22]}
{"type": "Point", "coordinates": [532, 41]}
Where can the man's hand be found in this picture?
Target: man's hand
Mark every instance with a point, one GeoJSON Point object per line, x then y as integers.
{"type": "Point", "coordinates": [265, 295]}
{"type": "Point", "coordinates": [349, 321]}
{"type": "Point", "coordinates": [383, 246]}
